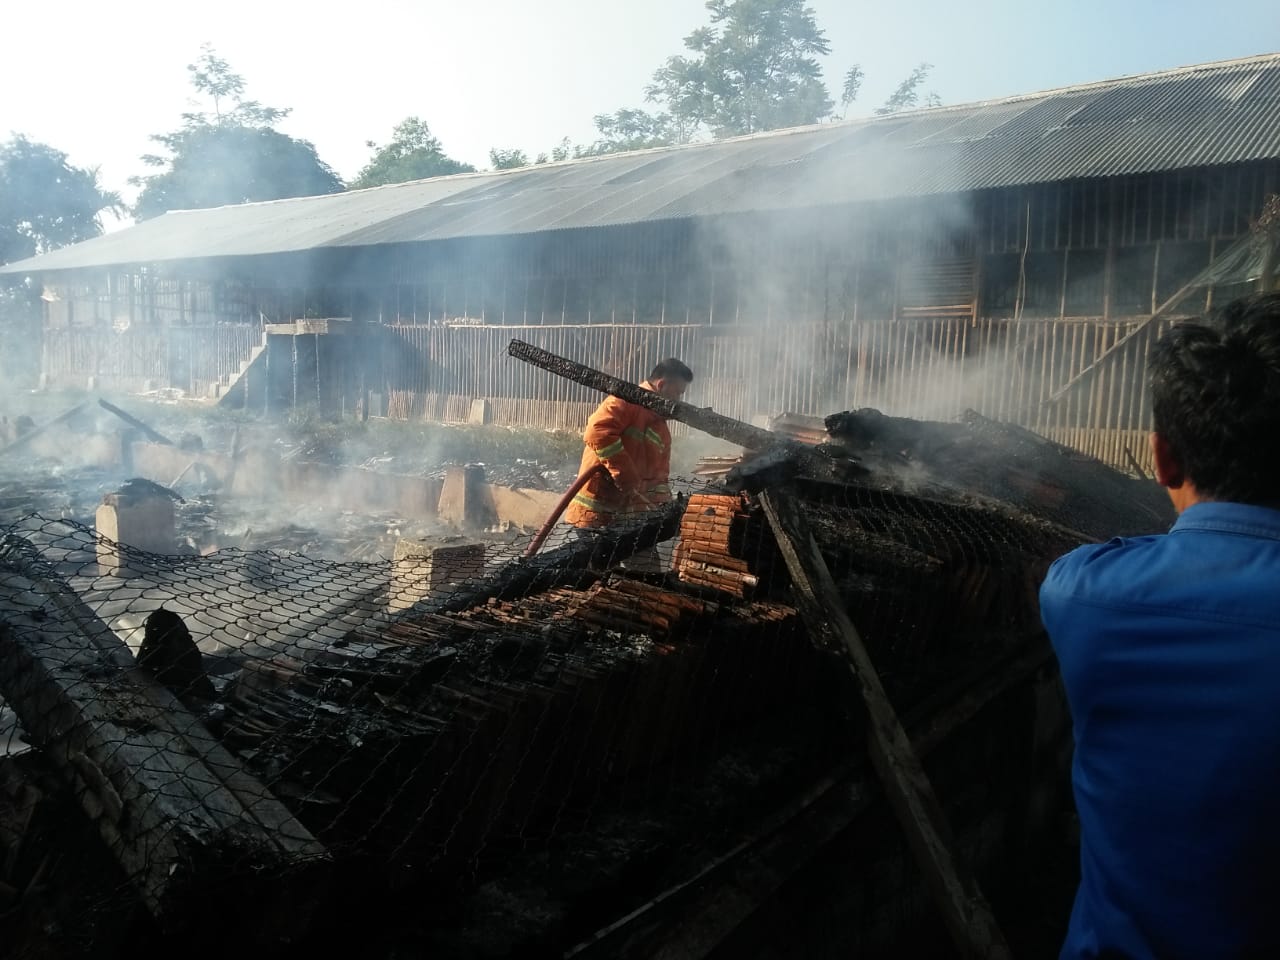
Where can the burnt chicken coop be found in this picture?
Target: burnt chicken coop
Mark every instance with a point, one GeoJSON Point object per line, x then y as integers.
{"type": "Point", "coordinates": [836, 701]}
{"type": "Point", "coordinates": [1012, 257]}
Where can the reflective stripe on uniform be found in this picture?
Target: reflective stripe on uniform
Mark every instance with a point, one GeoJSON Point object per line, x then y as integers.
{"type": "Point", "coordinates": [660, 489]}
{"type": "Point", "coordinates": [593, 504]}
{"type": "Point", "coordinates": [611, 450]}
{"type": "Point", "coordinates": [652, 436]}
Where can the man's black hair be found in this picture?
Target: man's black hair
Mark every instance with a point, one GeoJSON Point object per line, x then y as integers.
{"type": "Point", "coordinates": [671, 367]}
{"type": "Point", "coordinates": [1215, 390]}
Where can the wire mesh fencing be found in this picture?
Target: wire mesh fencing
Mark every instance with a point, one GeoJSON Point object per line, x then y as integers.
{"type": "Point", "coordinates": [457, 747]}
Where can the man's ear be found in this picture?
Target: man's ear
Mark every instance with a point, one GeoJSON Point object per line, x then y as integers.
{"type": "Point", "coordinates": [1169, 472]}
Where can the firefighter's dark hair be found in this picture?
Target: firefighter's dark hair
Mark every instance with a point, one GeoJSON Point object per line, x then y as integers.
{"type": "Point", "coordinates": [671, 367]}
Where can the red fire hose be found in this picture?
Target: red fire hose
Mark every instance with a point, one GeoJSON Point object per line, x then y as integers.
{"type": "Point", "coordinates": [577, 485]}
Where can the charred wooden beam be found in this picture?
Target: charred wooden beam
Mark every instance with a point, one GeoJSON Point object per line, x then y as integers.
{"type": "Point", "coordinates": [700, 418]}
{"type": "Point", "coordinates": [964, 910]}
{"type": "Point", "coordinates": [179, 813]}
{"type": "Point", "coordinates": [30, 435]}
{"type": "Point", "coordinates": [565, 564]}
{"type": "Point", "coordinates": [151, 434]}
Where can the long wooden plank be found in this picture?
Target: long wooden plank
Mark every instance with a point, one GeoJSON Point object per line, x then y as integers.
{"type": "Point", "coordinates": [30, 435]}
{"type": "Point", "coordinates": [151, 434]}
{"type": "Point", "coordinates": [177, 810]}
{"type": "Point", "coordinates": [964, 910]}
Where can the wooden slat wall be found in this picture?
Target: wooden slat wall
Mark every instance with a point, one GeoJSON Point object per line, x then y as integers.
{"type": "Point", "coordinates": [127, 359]}
{"type": "Point", "coordinates": [923, 367]}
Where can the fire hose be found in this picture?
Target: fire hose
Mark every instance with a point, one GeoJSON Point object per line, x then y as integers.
{"type": "Point", "coordinates": [560, 508]}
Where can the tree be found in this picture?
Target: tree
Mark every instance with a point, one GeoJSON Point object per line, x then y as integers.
{"type": "Point", "coordinates": [852, 87]}
{"type": "Point", "coordinates": [753, 68]}
{"type": "Point", "coordinates": [229, 154]}
{"type": "Point", "coordinates": [414, 153]}
{"type": "Point", "coordinates": [632, 130]}
{"type": "Point", "coordinates": [561, 151]}
{"type": "Point", "coordinates": [507, 159]}
{"type": "Point", "coordinates": [45, 202]}
{"type": "Point", "coordinates": [907, 94]}
{"type": "Point", "coordinates": [513, 159]}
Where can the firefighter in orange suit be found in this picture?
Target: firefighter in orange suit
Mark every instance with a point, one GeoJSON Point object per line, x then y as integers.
{"type": "Point", "coordinates": [634, 445]}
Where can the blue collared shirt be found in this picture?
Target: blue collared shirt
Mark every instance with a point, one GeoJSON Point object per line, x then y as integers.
{"type": "Point", "coordinates": [1170, 654]}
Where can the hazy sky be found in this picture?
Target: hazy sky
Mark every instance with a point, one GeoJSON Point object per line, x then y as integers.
{"type": "Point", "coordinates": [95, 77]}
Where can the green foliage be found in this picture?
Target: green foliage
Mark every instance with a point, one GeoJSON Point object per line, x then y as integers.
{"type": "Point", "coordinates": [414, 153]}
{"type": "Point", "coordinates": [628, 129]}
{"type": "Point", "coordinates": [907, 94]}
{"type": "Point", "coordinates": [230, 153]}
{"type": "Point", "coordinates": [753, 68]}
{"type": "Point", "coordinates": [852, 86]}
{"type": "Point", "coordinates": [501, 159]}
{"type": "Point", "coordinates": [217, 165]}
{"type": "Point", "coordinates": [45, 202]}
{"type": "Point", "coordinates": [212, 76]}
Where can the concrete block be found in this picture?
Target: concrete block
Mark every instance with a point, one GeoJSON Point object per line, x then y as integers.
{"type": "Point", "coordinates": [421, 567]}
{"type": "Point", "coordinates": [144, 523]}
{"type": "Point", "coordinates": [463, 498]}
{"type": "Point", "coordinates": [481, 413]}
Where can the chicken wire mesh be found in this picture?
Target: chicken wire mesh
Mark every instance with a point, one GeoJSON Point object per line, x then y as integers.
{"type": "Point", "coordinates": [489, 749]}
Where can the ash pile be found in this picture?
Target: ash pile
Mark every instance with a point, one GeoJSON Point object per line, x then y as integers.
{"type": "Point", "coordinates": [832, 723]}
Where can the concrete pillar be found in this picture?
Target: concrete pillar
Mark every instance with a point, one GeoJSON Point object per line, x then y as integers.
{"type": "Point", "coordinates": [144, 523]}
{"type": "Point", "coordinates": [421, 567]}
{"type": "Point", "coordinates": [462, 498]}
{"type": "Point", "coordinates": [481, 413]}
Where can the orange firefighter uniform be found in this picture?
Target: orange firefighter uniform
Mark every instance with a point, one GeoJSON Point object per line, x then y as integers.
{"type": "Point", "coordinates": [634, 445]}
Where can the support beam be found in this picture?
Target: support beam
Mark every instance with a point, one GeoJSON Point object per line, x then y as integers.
{"type": "Point", "coordinates": [964, 910]}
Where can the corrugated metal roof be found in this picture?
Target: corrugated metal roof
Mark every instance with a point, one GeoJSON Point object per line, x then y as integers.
{"type": "Point", "coordinates": [1217, 113]}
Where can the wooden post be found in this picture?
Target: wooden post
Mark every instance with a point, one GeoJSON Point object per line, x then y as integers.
{"type": "Point", "coordinates": [169, 800]}
{"type": "Point", "coordinates": [965, 912]}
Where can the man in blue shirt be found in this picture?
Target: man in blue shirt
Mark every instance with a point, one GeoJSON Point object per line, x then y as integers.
{"type": "Point", "coordinates": [1170, 654]}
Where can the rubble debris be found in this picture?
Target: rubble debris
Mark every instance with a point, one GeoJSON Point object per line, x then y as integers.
{"type": "Point", "coordinates": [175, 808]}
{"type": "Point", "coordinates": [965, 911]}
{"type": "Point", "coordinates": [172, 658]}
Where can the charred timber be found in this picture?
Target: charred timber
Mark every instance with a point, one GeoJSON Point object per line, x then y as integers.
{"type": "Point", "coordinates": [568, 564]}
{"type": "Point", "coordinates": [700, 418]}
{"type": "Point", "coordinates": [176, 809]}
